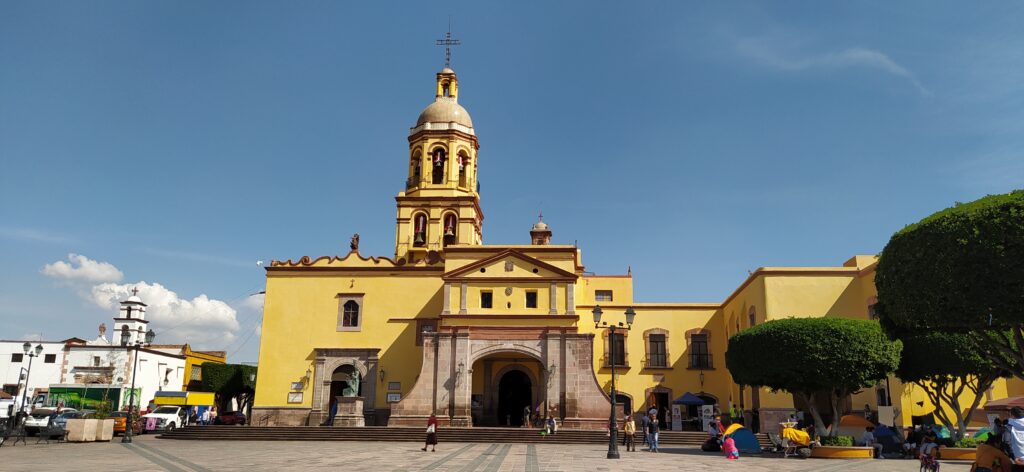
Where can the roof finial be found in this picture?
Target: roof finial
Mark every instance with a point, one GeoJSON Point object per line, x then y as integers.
{"type": "Point", "coordinates": [541, 216]}
{"type": "Point", "coordinates": [135, 290]}
{"type": "Point", "coordinates": [448, 42]}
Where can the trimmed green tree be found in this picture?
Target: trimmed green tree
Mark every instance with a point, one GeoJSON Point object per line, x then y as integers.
{"type": "Point", "coordinates": [229, 381]}
{"type": "Point", "coordinates": [947, 366]}
{"type": "Point", "coordinates": [813, 358]}
{"type": "Point", "coordinates": [961, 270]}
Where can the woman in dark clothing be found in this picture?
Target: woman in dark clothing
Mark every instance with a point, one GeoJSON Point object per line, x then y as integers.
{"type": "Point", "coordinates": [431, 434]}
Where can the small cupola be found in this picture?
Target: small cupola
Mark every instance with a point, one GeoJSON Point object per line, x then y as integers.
{"type": "Point", "coordinates": [540, 234]}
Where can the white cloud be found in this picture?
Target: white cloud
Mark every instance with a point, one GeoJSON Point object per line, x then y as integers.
{"type": "Point", "coordinates": [771, 52]}
{"type": "Point", "coordinates": [82, 269]}
{"type": "Point", "coordinates": [202, 322]}
{"type": "Point", "coordinates": [253, 302]}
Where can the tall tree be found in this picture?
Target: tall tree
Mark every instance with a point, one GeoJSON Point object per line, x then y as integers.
{"type": "Point", "coordinates": [813, 358]}
{"type": "Point", "coordinates": [230, 382]}
{"type": "Point", "coordinates": [960, 269]}
{"type": "Point", "coordinates": [948, 366]}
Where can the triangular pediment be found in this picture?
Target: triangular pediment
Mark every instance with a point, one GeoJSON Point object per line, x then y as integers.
{"type": "Point", "coordinates": [510, 264]}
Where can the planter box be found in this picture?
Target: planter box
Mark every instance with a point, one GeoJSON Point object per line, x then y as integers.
{"type": "Point", "coordinates": [843, 452]}
{"type": "Point", "coordinates": [80, 430]}
{"type": "Point", "coordinates": [958, 453]}
{"type": "Point", "coordinates": [104, 430]}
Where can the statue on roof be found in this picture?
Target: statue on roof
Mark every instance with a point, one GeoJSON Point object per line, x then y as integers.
{"type": "Point", "coordinates": [354, 243]}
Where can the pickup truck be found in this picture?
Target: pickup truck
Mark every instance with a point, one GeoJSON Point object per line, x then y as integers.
{"type": "Point", "coordinates": [165, 418]}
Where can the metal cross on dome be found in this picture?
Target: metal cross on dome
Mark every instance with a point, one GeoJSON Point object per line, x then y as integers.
{"type": "Point", "coordinates": [135, 290]}
{"type": "Point", "coordinates": [448, 42]}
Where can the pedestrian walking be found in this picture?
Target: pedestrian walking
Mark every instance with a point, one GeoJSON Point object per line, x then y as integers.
{"type": "Point", "coordinates": [526, 416]}
{"type": "Point", "coordinates": [629, 430]}
{"type": "Point", "coordinates": [644, 420]}
{"type": "Point", "coordinates": [205, 419]}
{"type": "Point", "coordinates": [431, 434]}
{"type": "Point", "coordinates": [652, 431]}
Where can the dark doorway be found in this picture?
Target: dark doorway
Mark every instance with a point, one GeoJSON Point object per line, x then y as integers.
{"type": "Point", "coordinates": [625, 402]}
{"type": "Point", "coordinates": [661, 403]}
{"type": "Point", "coordinates": [514, 394]}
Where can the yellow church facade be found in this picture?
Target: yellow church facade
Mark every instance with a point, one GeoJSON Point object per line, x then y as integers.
{"type": "Point", "coordinates": [476, 333]}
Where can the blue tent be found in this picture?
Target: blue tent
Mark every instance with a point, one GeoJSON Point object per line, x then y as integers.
{"type": "Point", "coordinates": [688, 399]}
{"type": "Point", "coordinates": [746, 442]}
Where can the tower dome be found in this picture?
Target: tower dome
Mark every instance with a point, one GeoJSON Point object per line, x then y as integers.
{"type": "Point", "coordinates": [445, 112]}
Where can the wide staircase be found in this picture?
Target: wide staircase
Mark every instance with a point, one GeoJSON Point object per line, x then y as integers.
{"type": "Point", "coordinates": [463, 435]}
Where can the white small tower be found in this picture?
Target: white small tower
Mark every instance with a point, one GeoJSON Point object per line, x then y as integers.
{"type": "Point", "coordinates": [133, 315]}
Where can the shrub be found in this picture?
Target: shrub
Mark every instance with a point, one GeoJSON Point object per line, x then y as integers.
{"type": "Point", "coordinates": [842, 441]}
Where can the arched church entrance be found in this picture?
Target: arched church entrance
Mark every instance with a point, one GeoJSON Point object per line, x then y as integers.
{"type": "Point", "coordinates": [515, 395]}
{"type": "Point", "coordinates": [503, 385]}
{"type": "Point", "coordinates": [345, 382]}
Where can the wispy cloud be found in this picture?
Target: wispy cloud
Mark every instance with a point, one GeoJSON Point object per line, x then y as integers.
{"type": "Point", "coordinates": [198, 257]}
{"type": "Point", "coordinates": [34, 235]}
{"type": "Point", "coordinates": [775, 53]}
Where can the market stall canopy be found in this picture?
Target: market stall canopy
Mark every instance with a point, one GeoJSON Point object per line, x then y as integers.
{"type": "Point", "coordinates": [1004, 404]}
{"type": "Point", "coordinates": [688, 399]}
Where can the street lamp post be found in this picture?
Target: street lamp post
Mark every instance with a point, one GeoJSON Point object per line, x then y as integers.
{"type": "Point", "coordinates": [613, 429]}
{"type": "Point", "coordinates": [252, 399]}
{"type": "Point", "coordinates": [125, 337]}
{"type": "Point", "coordinates": [31, 353]}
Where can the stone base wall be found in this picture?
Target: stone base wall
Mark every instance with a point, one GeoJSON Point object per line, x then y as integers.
{"type": "Point", "coordinates": [269, 416]}
{"type": "Point", "coordinates": [771, 417]}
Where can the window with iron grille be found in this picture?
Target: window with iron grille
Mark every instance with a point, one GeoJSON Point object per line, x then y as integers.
{"type": "Point", "coordinates": [617, 349]}
{"type": "Point", "coordinates": [50, 359]}
{"type": "Point", "coordinates": [700, 355]}
{"type": "Point", "coordinates": [196, 374]}
{"type": "Point", "coordinates": [603, 295]}
{"type": "Point", "coordinates": [17, 358]}
{"type": "Point", "coordinates": [656, 357]}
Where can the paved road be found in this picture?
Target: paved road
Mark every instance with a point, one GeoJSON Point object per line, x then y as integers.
{"type": "Point", "coordinates": [161, 455]}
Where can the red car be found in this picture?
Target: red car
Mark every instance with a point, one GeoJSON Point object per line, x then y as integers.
{"type": "Point", "coordinates": [230, 417]}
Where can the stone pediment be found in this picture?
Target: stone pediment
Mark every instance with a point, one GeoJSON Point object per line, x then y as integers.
{"type": "Point", "coordinates": [509, 264]}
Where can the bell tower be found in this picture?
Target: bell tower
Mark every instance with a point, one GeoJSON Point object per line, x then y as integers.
{"type": "Point", "coordinates": [440, 206]}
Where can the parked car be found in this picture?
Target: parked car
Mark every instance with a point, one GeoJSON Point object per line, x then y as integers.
{"type": "Point", "coordinates": [40, 417]}
{"type": "Point", "coordinates": [166, 417]}
{"type": "Point", "coordinates": [230, 417]}
{"type": "Point", "coordinates": [62, 419]}
{"type": "Point", "coordinates": [121, 419]}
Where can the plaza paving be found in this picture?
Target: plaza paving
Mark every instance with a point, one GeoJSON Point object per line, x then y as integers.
{"type": "Point", "coordinates": [158, 455]}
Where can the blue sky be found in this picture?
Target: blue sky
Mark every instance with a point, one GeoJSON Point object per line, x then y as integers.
{"type": "Point", "coordinates": [175, 143]}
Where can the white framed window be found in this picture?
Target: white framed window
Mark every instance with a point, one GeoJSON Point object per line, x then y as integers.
{"type": "Point", "coordinates": [603, 295]}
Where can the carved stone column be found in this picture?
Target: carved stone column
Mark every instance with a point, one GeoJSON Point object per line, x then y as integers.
{"type": "Point", "coordinates": [570, 298]}
{"type": "Point", "coordinates": [553, 299]}
{"type": "Point", "coordinates": [447, 310]}
{"type": "Point", "coordinates": [462, 297]}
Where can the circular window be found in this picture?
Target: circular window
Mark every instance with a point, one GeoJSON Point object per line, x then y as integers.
{"type": "Point", "coordinates": [483, 269]}
{"type": "Point", "coordinates": [535, 270]}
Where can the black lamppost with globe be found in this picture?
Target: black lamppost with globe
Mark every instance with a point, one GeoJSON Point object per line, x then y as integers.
{"type": "Point", "coordinates": [31, 353]}
{"type": "Point", "coordinates": [126, 336]}
{"type": "Point", "coordinates": [613, 430]}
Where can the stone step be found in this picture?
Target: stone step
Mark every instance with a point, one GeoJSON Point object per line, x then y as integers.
{"type": "Point", "coordinates": [378, 433]}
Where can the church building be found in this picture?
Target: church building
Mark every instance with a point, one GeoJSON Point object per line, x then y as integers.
{"type": "Point", "coordinates": [476, 333]}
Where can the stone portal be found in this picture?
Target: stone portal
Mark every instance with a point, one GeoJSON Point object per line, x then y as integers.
{"type": "Point", "coordinates": [558, 362]}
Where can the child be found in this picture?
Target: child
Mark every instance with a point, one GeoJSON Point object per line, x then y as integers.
{"type": "Point", "coordinates": [729, 448]}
